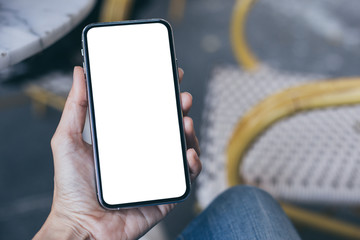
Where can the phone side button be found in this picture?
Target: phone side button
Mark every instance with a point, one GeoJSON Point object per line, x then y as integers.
{"type": "Point", "coordinates": [82, 52]}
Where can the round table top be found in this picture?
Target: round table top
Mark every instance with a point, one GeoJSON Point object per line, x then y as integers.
{"type": "Point", "coordinates": [28, 27]}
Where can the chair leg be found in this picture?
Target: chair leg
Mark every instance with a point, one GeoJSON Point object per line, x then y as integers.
{"type": "Point", "coordinates": [41, 98]}
{"type": "Point", "coordinates": [115, 10]}
{"type": "Point", "coordinates": [176, 10]}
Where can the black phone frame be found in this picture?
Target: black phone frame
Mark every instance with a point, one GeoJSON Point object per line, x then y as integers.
{"type": "Point", "coordinates": [86, 66]}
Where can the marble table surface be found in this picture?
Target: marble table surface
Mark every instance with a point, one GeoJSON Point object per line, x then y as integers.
{"type": "Point", "coordinates": [29, 26]}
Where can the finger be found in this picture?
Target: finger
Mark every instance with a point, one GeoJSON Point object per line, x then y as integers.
{"type": "Point", "coordinates": [181, 74]}
{"type": "Point", "coordinates": [73, 117]}
{"type": "Point", "coordinates": [186, 102]}
{"type": "Point", "coordinates": [191, 139]}
{"type": "Point", "coordinates": [195, 165]}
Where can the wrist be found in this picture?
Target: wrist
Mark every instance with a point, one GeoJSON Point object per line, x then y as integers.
{"type": "Point", "coordinates": [58, 226]}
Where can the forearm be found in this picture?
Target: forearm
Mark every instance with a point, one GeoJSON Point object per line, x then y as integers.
{"type": "Point", "coordinates": [60, 228]}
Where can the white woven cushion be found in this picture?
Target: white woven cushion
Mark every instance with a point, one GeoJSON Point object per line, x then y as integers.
{"type": "Point", "coordinates": [312, 156]}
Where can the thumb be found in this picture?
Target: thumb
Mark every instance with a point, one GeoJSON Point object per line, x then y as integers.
{"type": "Point", "coordinates": [73, 117]}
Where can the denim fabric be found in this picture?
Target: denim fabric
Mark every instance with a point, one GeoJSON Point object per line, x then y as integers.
{"type": "Point", "coordinates": [242, 212]}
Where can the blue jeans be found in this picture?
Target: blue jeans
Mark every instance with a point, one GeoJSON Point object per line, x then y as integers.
{"type": "Point", "coordinates": [242, 212]}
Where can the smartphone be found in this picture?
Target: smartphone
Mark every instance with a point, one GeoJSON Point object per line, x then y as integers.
{"type": "Point", "coordinates": [135, 113]}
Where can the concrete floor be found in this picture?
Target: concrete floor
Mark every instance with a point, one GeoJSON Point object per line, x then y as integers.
{"type": "Point", "coordinates": [320, 36]}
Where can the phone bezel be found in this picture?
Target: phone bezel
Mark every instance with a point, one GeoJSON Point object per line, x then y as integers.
{"type": "Point", "coordinates": [86, 66]}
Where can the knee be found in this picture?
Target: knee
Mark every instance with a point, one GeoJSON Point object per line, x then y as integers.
{"type": "Point", "coordinates": [244, 210]}
{"type": "Point", "coordinates": [244, 194]}
{"type": "Point", "coordinates": [241, 192]}
{"type": "Point", "coordinates": [240, 202]}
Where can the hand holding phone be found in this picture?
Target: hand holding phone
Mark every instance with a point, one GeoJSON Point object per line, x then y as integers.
{"type": "Point", "coordinates": [75, 210]}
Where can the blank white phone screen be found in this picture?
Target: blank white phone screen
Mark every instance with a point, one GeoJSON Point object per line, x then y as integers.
{"type": "Point", "coordinates": [137, 124]}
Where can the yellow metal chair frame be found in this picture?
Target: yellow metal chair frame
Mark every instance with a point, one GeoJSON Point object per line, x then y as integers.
{"type": "Point", "coordinates": [41, 98]}
{"type": "Point", "coordinates": [119, 10]}
{"type": "Point", "coordinates": [275, 107]}
{"type": "Point", "coordinates": [115, 10]}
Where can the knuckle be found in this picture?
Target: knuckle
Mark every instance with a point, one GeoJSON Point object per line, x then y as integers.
{"type": "Point", "coordinates": [83, 103]}
{"type": "Point", "coordinates": [189, 95]}
{"type": "Point", "coordinates": [189, 122]}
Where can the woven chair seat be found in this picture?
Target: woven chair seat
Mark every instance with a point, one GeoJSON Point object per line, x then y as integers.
{"type": "Point", "coordinates": [310, 157]}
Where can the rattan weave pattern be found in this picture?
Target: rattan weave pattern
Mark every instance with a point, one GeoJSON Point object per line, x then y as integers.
{"type": "Point", "coordinates": [312, 156]}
